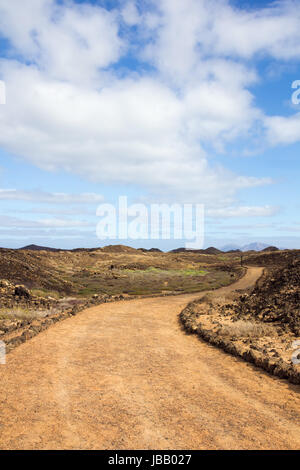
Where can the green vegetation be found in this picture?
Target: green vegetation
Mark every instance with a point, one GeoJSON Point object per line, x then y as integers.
{"type": "Point", "coordinates": [115, 270]}
{"type": "Point", "coordinates": [168, 272]}
{"type": "Point", "coordinates": [151, 280]}
{"type": "Point", "coordinates": [46, 293]}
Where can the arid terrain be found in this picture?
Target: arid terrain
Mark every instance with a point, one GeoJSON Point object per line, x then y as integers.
{"type": "Point", "coordinates": [124, 374]}
{"type": "Point", "coordinates": [260, 325]}
{"type": "Point", "coordinates": [115, 270]}
{"type": "Point", "coordinates": [39, 283]}
{"type": "Point", "coordinates": [172, 126]}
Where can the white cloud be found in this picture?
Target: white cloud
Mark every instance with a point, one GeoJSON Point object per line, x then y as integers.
{"type": "Point", "coordinates": [66, 110]}
{"type": "Point", "coordinates": [135, 131]}
{"type": "Point", "coordinates": [78, 210]}
{"type": "Point", "coordinates": [189, 31]}
{"type": "Point", "coordinates": [273, 30]}
{"type": "Point", "coordinates": [8, 221]}
{"type": "Point", "coordinates": [243, 211]}
{"type": "Point", "coordinates": [63, 223]}
{"type": "Point", "coordinates": [283, 130]}
{"type": "Point", "coordinates": [45, 197]}
{"type": "Point", "coordinates": [69, 42]}
{"type": "Point", "coordinates": [130, 14]}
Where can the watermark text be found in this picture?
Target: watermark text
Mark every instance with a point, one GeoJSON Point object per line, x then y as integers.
{"type": "Point", "coordinates": [154, 222]}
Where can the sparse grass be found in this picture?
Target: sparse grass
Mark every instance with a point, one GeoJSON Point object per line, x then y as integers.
{"type": "Point", "coordinates": [213, 298]}
{"type": "Point", "coordinates": [18, 314]}
{"type": "Point", "coordinates": [246, 329]}
{"type": "Point", "coordinates": [195, 272]}
{"type": "Point", "coordinates": [46, 293]}
{"type": "Point", "coordinates": [87, 291]}
{"type": "Point", "coordinates": [222, 257]}
{"type": "Point", "coordinates": [151, 280]}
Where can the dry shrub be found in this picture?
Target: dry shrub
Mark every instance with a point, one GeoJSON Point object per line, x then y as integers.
{"type": "Point", "coordinates": [18, 313]}
{"type": "Point", "coordinates": [214, 298]}
{"type": "Point", "coordinates": [246, 329]}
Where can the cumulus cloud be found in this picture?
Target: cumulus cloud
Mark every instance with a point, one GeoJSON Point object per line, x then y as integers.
{"type": "Point", "coordinates": [272, 31]}
{"type": "Point", "coordinates": [283, 130]}
{"type": "Point", "coordinates": [135, 131]}
{"type": "Point", "coordinates": [192, 30]}
{"type": "Point", "coordinates": [130, 14]}
{"type": "Point", "coordinates": [69, 42]}
{"type": "Point", "coordinates": [68, 108]}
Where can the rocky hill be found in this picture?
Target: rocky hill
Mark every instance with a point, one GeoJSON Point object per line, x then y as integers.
{"type": "Point", "coordinates": [38, 248]}
{"type": "Point", "coordinates": [275, 298]}
{"type": "Point", "coordinates": [261, 326]}
{"type": "Point", "coordinates": [119, 269]}
{"type": "Point", "coordinates": [110, 270]}
{"type": "Point", "coordinates": [271, 258]}
{"type": "Point", "coordinates": [32, 268]}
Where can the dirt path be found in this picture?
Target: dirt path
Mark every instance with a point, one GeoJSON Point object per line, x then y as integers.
{"type": "Point", "coordinates": [123, 375]}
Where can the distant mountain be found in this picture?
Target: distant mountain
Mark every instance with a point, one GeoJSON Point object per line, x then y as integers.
{"type": "Point", "coordinates": [119, 249]}
{"type": "Point", "coordinates": [212, 251]}
{"type": "Point", "coordinates": [271, 248]}
{"type": "Point", "coordinates": [151, 250]}
{"type": "Point", "coordinates": [256, 246]}
{"type": "Point", "coordinates": [127, 249]}
{"type": "Point", "coordinates": [208, 251]}
{"type": "Point", "coordinates": [38, 248]}
{"type": "Point", "coordinates": [47, 248]}
{"type": "Point", "coordinates": [230, 248]}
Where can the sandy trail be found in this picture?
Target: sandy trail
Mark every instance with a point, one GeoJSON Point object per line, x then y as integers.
{"type": "Point", "coordinates": [124, 375]}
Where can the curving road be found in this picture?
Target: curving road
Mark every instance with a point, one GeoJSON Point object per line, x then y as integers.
{"type": "Point", "coordinates": [124, 375]}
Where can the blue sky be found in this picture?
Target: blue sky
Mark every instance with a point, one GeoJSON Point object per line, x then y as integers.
{"type": "Point", "coordinates": [162, 101]}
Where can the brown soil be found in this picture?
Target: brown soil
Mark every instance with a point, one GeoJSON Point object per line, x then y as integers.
{"type": "Point", "coordinates": [124, 376]}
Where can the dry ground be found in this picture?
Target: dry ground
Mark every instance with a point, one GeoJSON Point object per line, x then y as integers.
{"type": "Point", "coordinates": [123, 375]}
{"type": "Point", "coordinates": [115, 270]}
